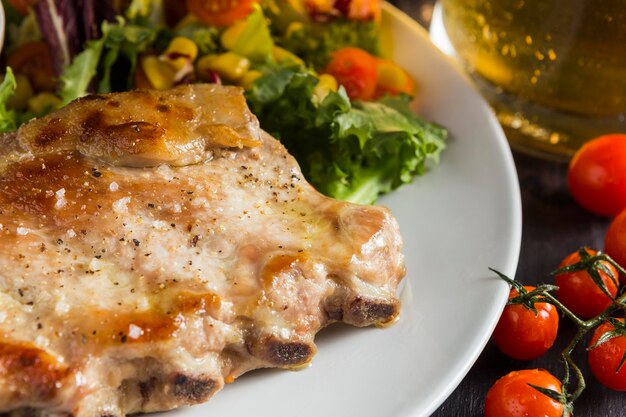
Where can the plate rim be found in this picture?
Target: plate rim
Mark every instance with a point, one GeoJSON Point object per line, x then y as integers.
{"type": "Point", "coordinates": [510, 264]}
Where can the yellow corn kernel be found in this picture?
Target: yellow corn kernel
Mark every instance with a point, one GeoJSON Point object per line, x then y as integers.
{"type": "Point", "coordinates": [23, 92]}
{"type": "Point", "coordinates": [160, 74]}
{"type": "Point", "coordinates": [326, 84]}
{"type": "Point", "coordinates": [249, 78]}
{"type": "Point", "coordinates": [281, 55]}
{"type": "Point", "coordinates": [230, 66]}
{"type": "Point", "coordinates": [42, 102]}
{"type": "Point", "coordinates": [392, 77]}
{"type": "Point", "coordinates": [183, 46]}
{"type": "Point", "coordinates": [293, 28]}
{"type": "Point", "coordinates": [231, 35]}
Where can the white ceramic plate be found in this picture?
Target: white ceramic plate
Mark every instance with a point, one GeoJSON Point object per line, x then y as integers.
{"type": "Point", "coordinates": [457, 221]}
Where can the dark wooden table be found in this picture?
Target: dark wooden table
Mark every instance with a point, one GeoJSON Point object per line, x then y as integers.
{"type": "Point", "coordinates": [553, 226]}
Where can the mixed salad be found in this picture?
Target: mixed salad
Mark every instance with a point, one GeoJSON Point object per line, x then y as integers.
{"type": "Point", "coordinates": [312, 71]}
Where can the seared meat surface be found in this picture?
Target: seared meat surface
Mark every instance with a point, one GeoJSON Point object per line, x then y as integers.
{"type": "Point", "coordinates": [156, 245]}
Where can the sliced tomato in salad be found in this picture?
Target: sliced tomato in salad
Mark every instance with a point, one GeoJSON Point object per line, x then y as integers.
{"type": "Point", "coordinates": [356, 70]}
{"type": "Point", "coordinates": [22, 6]}
{"type": "Point", "coordinates": [220, 13]}
{"type": "Point", "coordinates": [33, 59]}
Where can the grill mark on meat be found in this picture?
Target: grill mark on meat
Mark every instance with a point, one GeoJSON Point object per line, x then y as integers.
{"type": "Point", "coordinates": [289, 353]}
{"type": "Point", "coordinates": [193, 389]}
{"type": "Point", "coordinates": [146, 388]}
{"type": "Point", "coordinates": [182, 135]}
{"type": "Point", "coordinates": [92, 122]}
{"type": "Point", "coordinates": [52, 132]}
{"type": "Point", "coordinates": [133, 138]}
{"type": "Point", "coordinates": [279, 352]}
{"type": "Point", "coordinates": [363, 311]}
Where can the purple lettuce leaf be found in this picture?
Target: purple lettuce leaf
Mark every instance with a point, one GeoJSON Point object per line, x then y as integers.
{"type": "Point", "coordinates": [58, 21]}
{"type": "Point", "coordinates": [94, 13]}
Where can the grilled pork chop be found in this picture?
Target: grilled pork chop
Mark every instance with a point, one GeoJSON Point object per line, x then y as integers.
{"type": "Point", "coordinates": [156, 245]}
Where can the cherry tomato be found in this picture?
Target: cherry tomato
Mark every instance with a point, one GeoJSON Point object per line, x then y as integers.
{"type": "Point", "coordinates": [605, 359]}
{"type": "Point", "coordinates": [220, 13]}
{"type": "Point", "coordinates": [356, 70]}
{"type": "Point", "coordinates": [597, 175]}
{"type": "Point", "coordinates": [578, 291]}
{"type": "Point", "coordinates": [511, 396]}
{"type": "Point", "coordinates": [615, 240]}
{"type": "Point", "coordinates": [22, 6]}
{"type": "Point", "coordinates": [523, 335]}
{"type": "Point", "coordinates": [33, 60]}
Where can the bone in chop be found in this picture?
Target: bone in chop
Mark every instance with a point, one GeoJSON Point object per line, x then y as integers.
{"type": "Point", "coordinates": [156, 245]}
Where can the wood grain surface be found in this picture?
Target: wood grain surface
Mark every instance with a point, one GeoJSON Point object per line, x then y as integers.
{"type": "Point", "coordinates": [553, 226]}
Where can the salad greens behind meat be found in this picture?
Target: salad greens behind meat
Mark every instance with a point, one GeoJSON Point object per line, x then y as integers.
{"type": "Point", "coordinates": [353, 150]}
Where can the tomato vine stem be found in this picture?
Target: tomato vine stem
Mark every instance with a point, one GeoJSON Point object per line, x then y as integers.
{"type": "Point", "coordinates": [543, 293]}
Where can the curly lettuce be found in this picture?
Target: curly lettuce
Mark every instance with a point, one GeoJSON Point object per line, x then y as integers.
{"type": "Point", "coordinates": [350, 151]}
{"type": "Point", "coordinates": [315, 42]}
{"type": "Point", "coordinates": [120, 39]}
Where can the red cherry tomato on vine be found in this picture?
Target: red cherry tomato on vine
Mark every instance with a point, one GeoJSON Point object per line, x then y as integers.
{"type": "Point", "coordinates": [579, 293]}
{"type": "Point", "coordinates": [597, 175]}
{"type": "Point", "coordinates": [523, 335]}
{"type": "Point", "coordinates": [356, 70]}
{"type": "Point", "coordinates": [605, 358]}
{"type": "Point", "coordinates": [511, 396]}
{"type": "Point", "coordinates": [220, 13]}
{"type": "Point", "coordinates": [615, 240]}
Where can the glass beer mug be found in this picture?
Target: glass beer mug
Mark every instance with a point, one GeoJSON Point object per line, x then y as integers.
{"type": "Point", "coordinates": [553, 70]}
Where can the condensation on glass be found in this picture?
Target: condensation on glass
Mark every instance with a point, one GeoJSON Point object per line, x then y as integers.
{"type": "Point", "coordinates": [554, 71]}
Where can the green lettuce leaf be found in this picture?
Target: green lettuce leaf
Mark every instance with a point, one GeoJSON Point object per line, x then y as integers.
{"type": "Point", "coordinates": [145, 11]}
{"type": "Point", "coordinates": [207, 38]}
{"type": "Point", "coordinates": [126, 40]}
{"type": "Point", "coordinates": [99, 57]}
{"type": "Point", "coordinates": [315, 42]}
{"type": "Point", "coordinates": [78, 74]}
{"type": "Point", "coordinates": [350, 151]}
{"type": "Point", "coordinates": [8, 118]}
{"type": "Point", "coordinates": [255, 42]}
